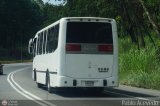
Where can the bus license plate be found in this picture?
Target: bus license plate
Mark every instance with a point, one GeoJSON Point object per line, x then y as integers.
{"type": "Point", "coordinates": [89, 83]}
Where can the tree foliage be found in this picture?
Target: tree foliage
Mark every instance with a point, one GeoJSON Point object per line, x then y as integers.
{"type": "Point", "coordinates": [20, 19]}
{"type": "Point", "coordinates": [130, 15]}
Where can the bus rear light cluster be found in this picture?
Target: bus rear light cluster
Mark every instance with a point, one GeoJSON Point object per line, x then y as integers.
{"type": "Point", "coordinates": [73, 47]}
{"type": "Point", "coordinates": [100, 48]}
{"type": "Point", "coordinates": [105, 48]}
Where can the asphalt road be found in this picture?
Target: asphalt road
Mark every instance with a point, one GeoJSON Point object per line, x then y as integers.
{"type": "Point", "coordinates": [18, 89]}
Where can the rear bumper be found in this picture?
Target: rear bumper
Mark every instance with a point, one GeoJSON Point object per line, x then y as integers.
{"type": "Point", "coordinates": [63, 81]}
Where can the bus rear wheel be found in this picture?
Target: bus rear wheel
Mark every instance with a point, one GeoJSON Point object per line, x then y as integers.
{"type": "Point", "coordinates": [39, 85]}
{"type": "Point", "coordinates": [35, 76]}
{"type": "Point", "coordinates": [1, 72]}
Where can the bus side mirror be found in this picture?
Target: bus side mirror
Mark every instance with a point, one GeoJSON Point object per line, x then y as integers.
{"type": "Point", "coordinates": [30, 46]}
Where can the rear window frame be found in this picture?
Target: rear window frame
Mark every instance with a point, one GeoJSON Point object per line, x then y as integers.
{"type": "Point", "coordinates": [109, 25]}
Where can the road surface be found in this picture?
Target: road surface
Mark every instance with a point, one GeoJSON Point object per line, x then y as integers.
{"type": "Point", "coordinates": [18, 89]}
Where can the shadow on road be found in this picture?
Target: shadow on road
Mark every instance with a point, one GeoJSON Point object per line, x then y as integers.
{"type": "Point", "coordinates": [108, 93]}
{"type": "Point", "coordinates": [77, 93]}
{"type": "Point", "coordinates": [129, 93]}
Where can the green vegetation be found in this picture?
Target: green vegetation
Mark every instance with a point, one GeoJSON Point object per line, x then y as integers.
{"type": "Point", "coordinates": [19, 21]}
{"type": "Point", "coordinates": [139, 67]}
{"type": "Point", "coordinates": [138, 30]}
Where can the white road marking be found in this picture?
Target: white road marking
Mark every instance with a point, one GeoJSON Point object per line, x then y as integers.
{"type": "Point", "coordinates": [14, 87]}
{"type": "Point", "coordinates": [25, 93]}
{"type": "Point", "coordinates": [33, 97]}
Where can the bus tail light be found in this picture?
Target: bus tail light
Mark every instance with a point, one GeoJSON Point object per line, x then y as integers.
{"type": "Point", "coordinates": [73, 47]}
{"type": "Point", "coordinates": [105, 48]}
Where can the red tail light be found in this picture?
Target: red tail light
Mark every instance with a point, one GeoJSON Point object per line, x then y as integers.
{"type": "Point", "coordinates": [73, 47]}
{"type": "Point", "coordinates": [105, 48]}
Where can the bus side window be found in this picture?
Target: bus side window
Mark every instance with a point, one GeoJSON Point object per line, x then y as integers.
{"type": "Point", "coordinates": [47, 40]}
{"type": "Point", "coordinates": [34, 47]}
{"type": "Point", "coordinates": [44, 42]}
{"type": "Point", "coordinates": [50, 40]}
{"type": "Point", "coordinates": [56, 33]}
{"type": "Point", "coordinates": [38, 41]}
{"type": "Point", "coordinates": [47, 33]}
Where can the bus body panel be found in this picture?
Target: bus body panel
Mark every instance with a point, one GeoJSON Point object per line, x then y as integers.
{"type": "Point", "coordinates": [89, 65]}
{"type": "Point", "coordinates": [115, 60]}
{"type": "Point", "coordinates": [93, 67]}
{"type": "Point", "coordinates": [65, 67]}
{"type": "Point", "coordinates": [47, 62]}
{"type": "Point", "coordinates": [60, 82]}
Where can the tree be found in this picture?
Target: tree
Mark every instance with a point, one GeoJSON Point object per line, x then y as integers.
{"type": "Point", "coordinates": [20, 19]}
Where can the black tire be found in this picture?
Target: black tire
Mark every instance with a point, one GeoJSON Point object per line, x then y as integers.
{"type": "Point", "coordinates": [1, 73]}
{"type": "Point", "coordinates": [1, 70]}
{"type": "Point", "coordinates": [35, 76]}
{"type": "Point", "coordinates": [39, 85]}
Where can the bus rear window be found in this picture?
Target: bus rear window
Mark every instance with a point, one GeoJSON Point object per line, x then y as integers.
{"type": "Point", "coordinates": [89, 32]}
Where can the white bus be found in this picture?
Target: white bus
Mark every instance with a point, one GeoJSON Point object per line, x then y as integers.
{"type": "Point", "coordinates": [76, 52]}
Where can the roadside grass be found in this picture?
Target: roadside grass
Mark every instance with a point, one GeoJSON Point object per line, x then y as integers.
{"type": "Point", "coordinates": [140, 68]}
